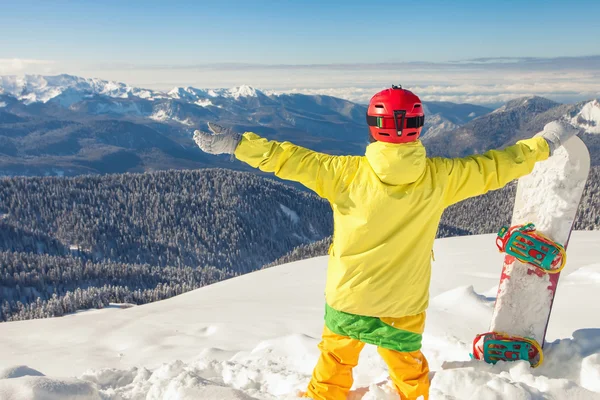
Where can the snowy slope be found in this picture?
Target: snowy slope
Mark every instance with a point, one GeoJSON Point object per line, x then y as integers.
{"type": "Point", "coordinates": [588, 117]}
{"type": "Point", "coordinates": [255, 337]}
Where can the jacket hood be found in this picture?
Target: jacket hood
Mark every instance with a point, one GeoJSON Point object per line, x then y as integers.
{"type": "Point", "coordinates": [397, 164]}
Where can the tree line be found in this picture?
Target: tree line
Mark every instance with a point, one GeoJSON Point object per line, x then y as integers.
{"type": "Point", "coordinates": [213, 217]}
{"type": "Point", "coordinates": [42, 286]}
{"type": "Point", "coordinates": [74, 243]}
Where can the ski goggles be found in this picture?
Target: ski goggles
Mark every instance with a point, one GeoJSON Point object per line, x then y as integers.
{"type": "Point", "coordinates": [399, 121]}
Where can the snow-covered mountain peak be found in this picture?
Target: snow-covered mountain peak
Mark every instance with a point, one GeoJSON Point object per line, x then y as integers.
{"type": "Point", "coordinates": [39, 88]}
{"type": "Point", "coordinates": [588, 118]}
{"type": "Point", "coordinates": [199, 97]}
{"type": "Point", "coordinates": [187, 93]}
{"type": "Point", "coordinates": [178, 92]}
{"type": "Point", "coordinates": [527, 102]}
{"type": "Point", "coordinates": [194, 94]}
{"type": "Point", "coordinates": [102, 96]}
{"type": "Point", "coordinates": [243, 91]}
{"type": "Point", "coordinates": [236, 93]}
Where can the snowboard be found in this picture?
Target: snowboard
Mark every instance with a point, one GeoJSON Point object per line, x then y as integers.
{"type": "Point", "coordinates": [548, 198]}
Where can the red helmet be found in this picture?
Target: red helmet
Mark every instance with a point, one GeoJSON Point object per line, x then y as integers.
{"type": "Point", "coordinates": [395, 116]}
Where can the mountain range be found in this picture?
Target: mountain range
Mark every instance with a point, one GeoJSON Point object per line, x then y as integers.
{"type": "Point", "coordinates": [67, 125]}
{"type": "Point", "coordinates": [518, 119]}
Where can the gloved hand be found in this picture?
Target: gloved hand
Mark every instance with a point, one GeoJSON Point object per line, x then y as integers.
{"type": "Point", "coordinates": [219, 141]}
{"type": "Point", "coordinates": [557, 133]}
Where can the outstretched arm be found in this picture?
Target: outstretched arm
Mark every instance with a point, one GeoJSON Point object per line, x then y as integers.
{"type": "Point", "coordinates": [475, 175]}
{"type": "Point", "coordinates": [325, 174]}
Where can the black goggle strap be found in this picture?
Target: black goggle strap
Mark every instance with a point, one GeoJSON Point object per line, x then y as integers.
{"type": "Point", "coordinates": [415, 122]}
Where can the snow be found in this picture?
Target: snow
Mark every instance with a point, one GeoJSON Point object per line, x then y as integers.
{"type": "Point", "coordinates": [551, 192]}
{"type": "Point", "coordinates": [176, 93]}
{"type": "Point", "coordinates": [590, 372]}
{"type": "Point", "coordinates": [163, 115]}
{"type": "Point", "coordinates": [188, 93]}
{"type": "Point", "coordinates": [522, 296]}
{"type": "Point", "coordinates": [201, 97]}
{"type": "Point", "coordinates": [436, 125]}
{"type": "Point", "coordinates": [243, 91]}
{"type": "Point", "coordinates": [2, 104]}
{"type": "Point", "coordinates": [589, 117]}
{"type": "Point", "coordinates": [69, 89]}
{"type": "Point", "coordinates": [255, 337]}
{"type": "Point", "coordinates": [160, 115]}
{"type": "Point", "coordinates": [43, 388]}
{"type": "Point", "coordinates": [18, 371]}
{"type": "Point", "coordinates": [235, 93]}
{"type": "Point", "coordinates": [291, 214]}
{"type": "Point", "coordinates": [37, 88]}
{"type": "Point", "coordinates": [519, 102]}
{"type": "Point", "coordinates": [548, 197]}
{"type": "Point", "coordinates": [203, 103]}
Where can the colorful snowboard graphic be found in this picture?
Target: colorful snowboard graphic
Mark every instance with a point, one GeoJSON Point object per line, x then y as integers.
{"type": "Point", "coordinates": [548, 198]}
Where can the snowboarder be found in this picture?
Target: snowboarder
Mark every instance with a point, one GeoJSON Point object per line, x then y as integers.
{"type": "Point", "coordinates": [386, 206]}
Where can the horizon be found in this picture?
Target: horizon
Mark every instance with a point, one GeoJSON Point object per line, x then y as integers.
{"type": "Point", "coordinates": [364, 92]}
{"type": "Point", "coordinates": [463, 52]}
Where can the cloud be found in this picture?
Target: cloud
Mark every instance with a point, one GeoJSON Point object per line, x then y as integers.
{"type": "Point", "coordinates": [482, 81]}
{"type": "Point", "coordinates": [555, 63]}
{"type": "Point", "coordinates": [19, 66]}
{"type": "Point", "coordinates": [488, 81]}
{"type": "Point", "coordinates": [472, 86]}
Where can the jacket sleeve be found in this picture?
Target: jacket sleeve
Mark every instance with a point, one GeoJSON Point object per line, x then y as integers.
{"type": "Point", "coordinates": [475, 175]}
{"type": "Point", "coordinates": [324, 174]}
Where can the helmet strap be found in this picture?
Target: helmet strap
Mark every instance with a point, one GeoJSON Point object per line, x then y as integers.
{"type": "Point", "coordinates": [402, 115]}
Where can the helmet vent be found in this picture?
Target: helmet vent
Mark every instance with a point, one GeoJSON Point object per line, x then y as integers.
{"type": "Point", "coordinates": [417, 106]}
{"type": "Point", "coordinates": [379, 106]}
{"type": "Point", "coordinates": [384, 134]}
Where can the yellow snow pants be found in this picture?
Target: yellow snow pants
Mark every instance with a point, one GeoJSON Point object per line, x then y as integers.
{"type": "Point", "coordinates": [332, 377]}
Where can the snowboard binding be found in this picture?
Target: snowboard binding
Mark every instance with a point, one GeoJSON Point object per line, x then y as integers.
{"type": "Point", "coordinates": [492, 347]}
{"type": "Point", "coordinates": [529, 246]}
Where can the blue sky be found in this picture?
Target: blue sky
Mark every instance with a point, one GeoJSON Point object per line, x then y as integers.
{"type": "Point", "coordinates": [343, 48]}
{"type": "Point", "coordinates": [295, 32]}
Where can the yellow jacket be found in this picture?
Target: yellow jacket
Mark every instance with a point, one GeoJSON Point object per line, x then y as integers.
{"type": "Point", "coordinates": [386, 209]}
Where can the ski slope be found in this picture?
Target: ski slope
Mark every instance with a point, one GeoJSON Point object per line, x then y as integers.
{"type": "Point", "coordinates": [255, 337]}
